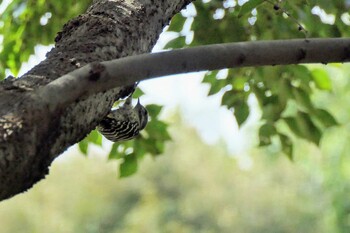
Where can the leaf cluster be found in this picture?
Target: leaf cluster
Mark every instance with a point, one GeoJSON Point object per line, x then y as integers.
{"type": "Point", "coordinates": [27, 23]}
{"type": "Point", "coordinates": [284, 93]}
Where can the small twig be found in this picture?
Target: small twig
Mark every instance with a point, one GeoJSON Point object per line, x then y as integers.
{"type": "Point", "coordinates": [277, 7]}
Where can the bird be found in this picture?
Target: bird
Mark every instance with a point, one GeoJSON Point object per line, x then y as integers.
{"type": "Point", "coordinates": [124, 123]}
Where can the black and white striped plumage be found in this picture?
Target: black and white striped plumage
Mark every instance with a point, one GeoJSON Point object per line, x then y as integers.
{"type": "Point", "coordinates": [124, 123]}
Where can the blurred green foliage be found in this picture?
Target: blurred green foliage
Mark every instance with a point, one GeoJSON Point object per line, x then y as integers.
{"type": "Point", "coordinates": [27, 23]}
{"type": "Point", "coordinates": [194, 188]}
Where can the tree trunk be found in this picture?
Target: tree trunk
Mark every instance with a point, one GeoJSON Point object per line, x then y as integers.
{"type": "Point", "coordinates": [32, 133]}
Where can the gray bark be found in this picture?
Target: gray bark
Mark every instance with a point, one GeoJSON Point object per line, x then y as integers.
{"type": "Point", "coordinates": [32, 132]}
{"type": "Point", "coordinates": [97, 77]}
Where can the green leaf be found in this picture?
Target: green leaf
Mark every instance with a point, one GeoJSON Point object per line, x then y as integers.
{"type": "Point", "coordinates": [210, 77]}
{"type": "Point", "coordinates": [177, 23]}
{"type": "Point", "coordinates": [249, 6]}
{"type": "Point", "coordinates": [302, 74]}
{"type": "Point", "coordinates": [259, 94]}
{"type": "Point", "coordinates": [302, 98]}
{"type": "Point", "coordinates": [95, 137]}
{"type": "Point", "coordinates": [217, 86]}
{"type": "Point", "coordinates": [141, 151]}
{"type": "Point", "coordinates": [83, 146]}
{"type": "Point", "coordinates": [302, 126]}
{"type": "Point", "coordinates": [114, 154]}
{"type": "Point", "coordinates": [325, 118]}
{"type": "Point", "coordinates": [128, 166]}
{"type": "Point", "coordinates": [149, 145]}
{"type": "Point", "coordinates": [178, 42]}
{"type": "Point", "coordinates": [272, 108]}
{"type": "Point", "coordinates": [228, 99]}
{"type": "Point", "coordinates": [154, 109]}
{"type": "Point", "coordinates": [322, 79]}
{"type": "Point", "coordinates": [287, 145]}
{"type": "Point", "coordinates": [239, 83]}
{"type": "Point", "coordinates": [285, 90]}
{"type": "Point", "coordinates": [138, 93]}
{"type": "Point", "coordinates": [206, 30]}
{"type": "Point", "coordinates": [241, 112]}
{"type": "Point", "coordinates": [266, 131]}
{"type": "Point", "coordinates": [158, 130]}
{"type": "Point", "coordinates": [233, 97]}
{"type": "Point", "coordinates": [293, 126]}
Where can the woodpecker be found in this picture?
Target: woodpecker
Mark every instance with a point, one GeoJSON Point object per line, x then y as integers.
{"type": "Point", "coordinates": [124, 123]}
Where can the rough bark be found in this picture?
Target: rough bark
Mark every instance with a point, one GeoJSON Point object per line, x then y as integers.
{"type": "Point", "coordinates": [32, 133]}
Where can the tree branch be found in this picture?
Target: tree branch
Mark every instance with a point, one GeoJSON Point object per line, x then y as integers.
{"type": "Point", "coordinates": [99, 77]}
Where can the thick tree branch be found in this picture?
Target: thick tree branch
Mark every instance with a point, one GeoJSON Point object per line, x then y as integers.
{"type": "Point", "coordinates": [98, 77]}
